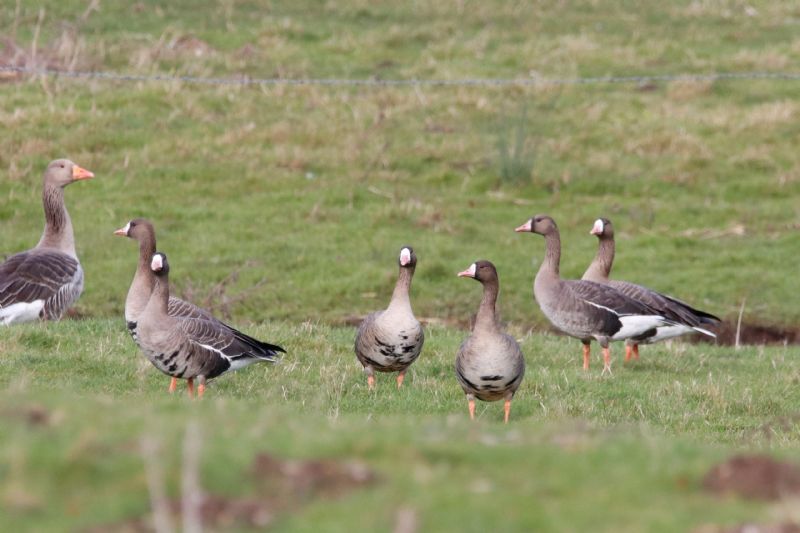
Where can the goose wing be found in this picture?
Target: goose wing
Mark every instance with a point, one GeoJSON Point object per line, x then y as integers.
{"type": "Point", "coordinates": [47, 275]}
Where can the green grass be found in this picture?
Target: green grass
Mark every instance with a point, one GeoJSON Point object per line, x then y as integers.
{"type": "Point", "coordinates": [285, 208]}
{"type": "Point", "coordinates": [633, 447]}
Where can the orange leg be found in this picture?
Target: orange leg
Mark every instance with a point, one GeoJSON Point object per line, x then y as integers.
{"type": "Point", "coordinates": [400, 377]}
{"type": "Point", "coordinates": [190, 386]}
{"type": "Point", "coordinates": [471, 404]}
{"type": "Point", "coordinates": [586, 350]}
{"type": "Point", "coordinates": [201, 389]}
{"type": "Point", "coordinates": [636, 351]}
{"type": "Point", "coordinates": [507, 410]}
{"type": "Point", "coordinates": [628, 352]}
{"type": "Point", "coordinates": [606, 361]}
{"type": "Point", "coordinates": [173, 384]}
{"type": "Point", "coordinates": [371, 382]}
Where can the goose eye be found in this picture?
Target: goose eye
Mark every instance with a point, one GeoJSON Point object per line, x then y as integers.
{"type": "Point", "coordinates": [62, 166]}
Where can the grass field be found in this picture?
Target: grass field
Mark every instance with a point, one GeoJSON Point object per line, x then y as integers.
{"type": "Point", "coordinates": [283, 209]}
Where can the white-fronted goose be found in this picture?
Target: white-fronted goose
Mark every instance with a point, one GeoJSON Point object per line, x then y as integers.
{"type": "Point", "coordinates": [142, 231]}
{"type": "Point", "coordinates": [489, 363]}
{"type": "Point", "coordinates": [42, 283]}
{"type": "Point", "coordinates": [584, 309]}
{"type": "Point", "coordinates": [192, 347]}
{"type": "Point", "coordinates": [687, 318]}
{"type": "Point", "coordinates": [390, 340]}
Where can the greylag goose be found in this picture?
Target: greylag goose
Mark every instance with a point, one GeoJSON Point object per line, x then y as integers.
{"type": "Point", "coordinates": [489, 363]}
{"type": "Point", "coordinates": [390, 340]}
{"type": "Point", "coordinates": [142, 231]}
{"type": "Point", "coordinates": [584, 309]}
{"type": "Point", "coordinates": [46, 280]}
{"type": "Point", "coordinates": [192, 347]}
{"type": "Point", "coordinates": [687, 318]}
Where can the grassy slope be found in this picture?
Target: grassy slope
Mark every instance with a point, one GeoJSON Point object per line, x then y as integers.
{"type": "Point", "coordinates": [313, 190]}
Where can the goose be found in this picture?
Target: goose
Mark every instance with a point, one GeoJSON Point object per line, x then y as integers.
{"type": "Point", "coordinates": [584, 309]}
{"type": "Point", "coordinates": [192, 347]}
{"type": "Point", "coordinates": [45, 281]}
{"type": "Point", "coordinates": [143, 231]}
{"type": "Point", "coordinates": [489, 363]}
{"type": "Point", "coordinates": [687, 318]}
{"type": "Point", "coordinates": [390, 340]}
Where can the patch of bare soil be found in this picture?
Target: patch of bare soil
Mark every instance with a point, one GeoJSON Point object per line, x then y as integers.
{"type": "Point", "coordinates": [756, 477]}
{"type": "Point", "coordinates": [282, 485]}
{"type": "Point", "coordinates": [754, 334]}
{"type": "Point", "coordinates": [35, 415]}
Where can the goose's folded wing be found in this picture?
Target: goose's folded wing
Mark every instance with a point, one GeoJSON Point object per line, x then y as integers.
{"type": "Point", "coordinates": [27, 277]}
{"type": "Point", "coordinates": [603, 296]}
{"type": "Point", "coordinates": [226, 341]}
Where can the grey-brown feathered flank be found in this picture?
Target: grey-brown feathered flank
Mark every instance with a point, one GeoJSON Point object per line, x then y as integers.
{"type": "Point", "coordinates": [42, 283]}
{"type": "Point", "coordinates": [687, 319]}
{"type": "Point", "coordinates": [390, 340]}
{"type": "Point", "coordinates": [489, 363]}
{"type": "Point", "coordinates": [192, 347]}
{"type": "Point", "coordinates": [585, 309]}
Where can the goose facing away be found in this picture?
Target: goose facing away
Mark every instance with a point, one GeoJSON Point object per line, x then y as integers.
{"type": "Point", "coordinates": [584, 309]}
{"type": "Point", "coordinates": [192, 348]}
{"type": "Point", "coordinates": [489, 364]}
{"type": "Point", "coordinates": [142, 231]}
{"type": "Point", "coordinates": [45, 281]}
{"type": "Point", "coordinates": [687, 319]}
{"type": "Point", "coordinates": [390, 340]}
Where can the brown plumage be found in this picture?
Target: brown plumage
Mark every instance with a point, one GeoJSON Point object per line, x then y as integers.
{"type": "Point", "coordinates": [687, 319]}
{"type": "Point", "coordinates": [489, 363]}
{"type": "Point", "coordinates": [390, 340]}
{"type": "Point", "coordinates": [192, 347]}
{"type": "Point", "coordinates": [42, 283]}
{"type": "Point", "coordinates": [585, 309]}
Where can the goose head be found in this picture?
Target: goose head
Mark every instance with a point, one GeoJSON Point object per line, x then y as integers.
{"type": "Point", "coordinates": [407, 258]}
{"type": "Point", "coordinates": [602, 228]}
{"type": "Point", "coordinates": [159, 265]}
{"type": "Point", "coordinates": [62, 172]}
{"type": "Point", "coordinates": [482, 271]}
{"type": "Point", "coordinates": [541, 224]}
{"type": "Point", "coordinates": [137, 229]}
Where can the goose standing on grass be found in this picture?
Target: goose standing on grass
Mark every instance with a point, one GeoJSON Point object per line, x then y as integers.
{"type": "Point", "coordinates": [687, 318]}
{"type": "Point", "coordinates": [584, 309]}
{"type": "Point", "coordinates": [142, 231]}
{"type": "Point", "coordinates": [192, 348]}
{"type": "Point", "coordinates": [42, 283]}
{"type": "Point", "coordinates": [489, 363]}
{"type": "Point", "coordinates": [390, 340]}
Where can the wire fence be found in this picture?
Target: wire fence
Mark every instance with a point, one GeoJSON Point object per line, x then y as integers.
{"type": "Point", "coordinates": [404, 82]}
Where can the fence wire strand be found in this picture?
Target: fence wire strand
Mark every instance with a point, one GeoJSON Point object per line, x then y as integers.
{"type": "Point", "coordinates": [404, 82]}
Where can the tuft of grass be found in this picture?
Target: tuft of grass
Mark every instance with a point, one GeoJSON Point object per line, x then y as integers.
{"type": "Point", "coordinates": [515, 154]}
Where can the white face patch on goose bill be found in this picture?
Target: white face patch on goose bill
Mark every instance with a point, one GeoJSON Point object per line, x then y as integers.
{"type": "Point", "coordinates": [127, 228]}
{"type": "Point", "coordinates": [597, 229]}
{"type": "Point", "coordinates": [525, 227]}
{"type": "Point", "coordinates": [156, 264]}
{"type": "Point", "coordinates": [468, 273]}
{"type": "Point", "coordinates": [405, 256]}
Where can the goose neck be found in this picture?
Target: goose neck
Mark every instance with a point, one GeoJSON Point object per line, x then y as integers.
{"type": "Point", "coordinates": [58, 232]}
